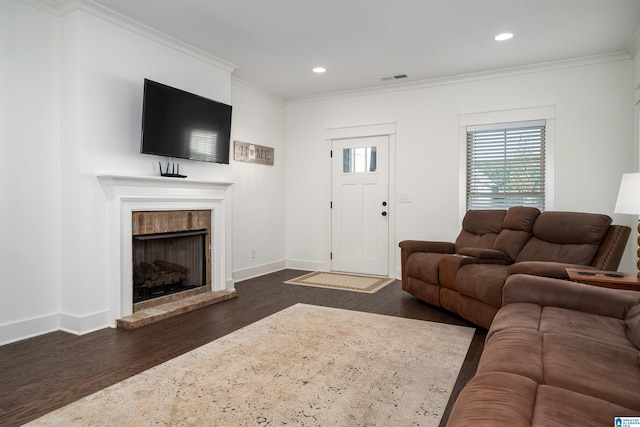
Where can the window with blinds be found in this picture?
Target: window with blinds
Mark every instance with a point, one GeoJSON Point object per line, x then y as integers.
{"type": "Point", "coordinates": [505, 165]}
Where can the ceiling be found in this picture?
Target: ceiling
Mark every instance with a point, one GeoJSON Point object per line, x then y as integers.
{"type": "Point", "coordinates": [276, 43]}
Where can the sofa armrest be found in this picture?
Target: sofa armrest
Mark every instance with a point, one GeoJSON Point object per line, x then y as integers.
{"type": "Point", "coordinates": [410, 246]}
{"type": "Point", "coordinates": [557, 270]}
{"type": "Point", "coordinates": [449, 266]}
{"type": "Point", "coordinates": [544, 291]}
{"type": "Point", "coordinates": [485, 254]}
{"type": "Point", "coordinates": [407, 247]}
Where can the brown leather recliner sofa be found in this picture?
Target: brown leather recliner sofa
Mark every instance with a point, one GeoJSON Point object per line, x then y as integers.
{"type": "Point", "coordinates": [467, 276]}
{"type": "Point", "coordinates": [558, 353]}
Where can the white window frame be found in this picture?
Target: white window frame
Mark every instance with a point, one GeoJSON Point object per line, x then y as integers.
{"type": "Point", "coordinates": [495, 119]}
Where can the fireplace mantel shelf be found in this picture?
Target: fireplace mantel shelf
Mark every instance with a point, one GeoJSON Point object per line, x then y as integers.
{"type": "Point", "coordinates": [133, 180]}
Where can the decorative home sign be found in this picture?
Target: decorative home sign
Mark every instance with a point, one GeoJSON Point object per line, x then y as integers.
{"type": "Point", "coordinates": [251, 153]}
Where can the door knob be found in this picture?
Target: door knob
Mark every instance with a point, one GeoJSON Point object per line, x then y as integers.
{"type": "Point", "coordinates": [384, 203]}
{"type": "Point", "coordinates": [384, 214]}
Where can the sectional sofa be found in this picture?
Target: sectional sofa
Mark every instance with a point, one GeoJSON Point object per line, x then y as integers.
{"type": "Point", "coordinates": [467, 276]}
{"type": "Point", "coordinates": [558, 353]}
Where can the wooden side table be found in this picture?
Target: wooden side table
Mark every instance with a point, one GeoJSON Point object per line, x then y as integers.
{"type": "Point", "coordinates": [605, 279]}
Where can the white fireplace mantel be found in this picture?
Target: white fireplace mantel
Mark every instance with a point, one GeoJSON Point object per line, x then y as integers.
{"type": "Point", "coordinates": [128, 194]}
{"type": "Point", "coordinates": [128, 183]}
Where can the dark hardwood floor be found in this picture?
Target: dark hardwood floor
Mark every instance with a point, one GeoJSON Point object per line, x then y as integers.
{"type": "Point", "coordinates": [41, 374]}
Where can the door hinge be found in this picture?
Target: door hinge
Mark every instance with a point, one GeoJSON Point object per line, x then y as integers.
{"type": "Point", "coordinates": [330, 205]}
{"type": "Point", "coordinates": [330, 255]}
{"type": "Point", "coordinates": [331, 153]}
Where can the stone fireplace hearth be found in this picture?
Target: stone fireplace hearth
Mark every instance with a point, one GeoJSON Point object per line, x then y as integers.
{"type": "Point", "coordinates": [177, 203]}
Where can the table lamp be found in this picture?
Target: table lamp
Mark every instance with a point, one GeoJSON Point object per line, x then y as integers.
{"type": "Point", "coordinates": [629, 201]}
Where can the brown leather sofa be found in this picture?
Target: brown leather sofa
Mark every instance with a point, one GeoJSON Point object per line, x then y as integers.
{"type": "Point", "coordinates": [466, 277]}
{"type": "Point", "coordinates": [558, 353]}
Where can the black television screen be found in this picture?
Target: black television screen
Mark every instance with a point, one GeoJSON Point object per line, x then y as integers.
{"type": "Point", "coordinates": [180, 124]}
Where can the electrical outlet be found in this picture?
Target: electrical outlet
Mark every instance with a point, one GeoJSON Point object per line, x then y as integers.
{"type": "Point", "coordinates": [253, 253]}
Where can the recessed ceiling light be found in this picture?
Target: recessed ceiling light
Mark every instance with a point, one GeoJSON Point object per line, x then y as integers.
{"type": "Point", "coordinates": [319, 70]}
{"type": "Point", "coordinates": [503, 36]}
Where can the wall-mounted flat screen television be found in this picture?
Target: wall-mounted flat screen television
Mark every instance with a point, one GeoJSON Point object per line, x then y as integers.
{"type": "Point", "coordinates": [180, 124]}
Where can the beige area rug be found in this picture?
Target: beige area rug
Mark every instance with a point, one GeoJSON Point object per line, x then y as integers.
{"type": "Point", "coordinates": [305, 365]}
{"type": "Point", "coordinates": [343, 281]}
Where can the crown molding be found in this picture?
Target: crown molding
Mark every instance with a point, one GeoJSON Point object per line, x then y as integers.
{"type": "Point", "coordinates": [633, 47]}
{"type": "Point", "coordinates": [465, 78]}
{"type": "Point", "coordinates": [61, 8]}
{"type": "Point", "coordinates": [258, 90]}
{"type": "Point", "coordinates": [52, 7]}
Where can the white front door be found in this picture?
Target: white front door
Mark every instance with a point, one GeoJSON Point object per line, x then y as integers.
{"type": "Point", "coordinates": [360, 205]}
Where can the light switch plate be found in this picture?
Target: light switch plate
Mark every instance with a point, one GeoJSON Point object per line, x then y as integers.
{"type": "Point", "coordinates": [404, 198]}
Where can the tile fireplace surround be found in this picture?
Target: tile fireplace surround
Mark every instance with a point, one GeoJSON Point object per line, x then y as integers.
{"type": "Point", "coordinates": [129, 194]}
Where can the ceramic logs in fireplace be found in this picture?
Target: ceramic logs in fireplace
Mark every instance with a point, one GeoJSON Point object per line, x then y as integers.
{"type": "Point", "coordinates": [169, 253]}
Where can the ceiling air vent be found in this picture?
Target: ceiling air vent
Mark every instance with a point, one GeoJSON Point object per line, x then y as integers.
{"type": "Point", "coordinates": [394, 77]}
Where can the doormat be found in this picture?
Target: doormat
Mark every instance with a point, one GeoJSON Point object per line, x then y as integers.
{"type": "Point", "coordinates": [305, 365]}
{"type": "Point", "coordinates": [343, 281]}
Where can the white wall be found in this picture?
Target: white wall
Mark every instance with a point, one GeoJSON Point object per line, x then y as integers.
{"type": "Point", "coordinates": [103, 69]}
{"type": "Point", "coordinates": [71, 104]}
{"type": "Point", "coordinates": [259, 219]}
{"type": "Point", "coordinates": [635, 89]}
{"type": "Point", "coordinates": [636, 99]}
{"type": "Point", "coordinates": [30, 172]}
{"type": "Point", "coordinates": [594, 146]}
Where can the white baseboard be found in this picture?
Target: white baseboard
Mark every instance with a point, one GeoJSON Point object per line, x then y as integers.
{"type": "Point", "coordinates": [80, 325]}
{"type": "Point", "coordinates": [258, 270]}
{"type": "Point", "coordinates": [298, 264]}
{"type": "Point", "coordinates": [29, 328]}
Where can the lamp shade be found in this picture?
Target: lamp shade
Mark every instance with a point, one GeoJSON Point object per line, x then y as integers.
{"type": "Point", "coordinates": [629, 195]}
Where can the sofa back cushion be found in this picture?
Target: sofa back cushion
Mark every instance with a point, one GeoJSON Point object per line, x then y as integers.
{"type": "Point", "coordinates": [516, 230]}
{"type": "Point", "coordinates": [633, 325]}
{"type": "Point", "coordinates": [569, 237]}
{"type": "Point", "coordinates": [480, 228]}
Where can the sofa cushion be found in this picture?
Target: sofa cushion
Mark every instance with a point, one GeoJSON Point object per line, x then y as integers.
{"type": "Point", "coordinates": [606, 330]}
{"type": "Point", "coordinates": [571, 227]}
{"type": "Point", "coordinates": [482, 282]}
{"type": "Point", "coordinates": [502, 399]}
{"type": "Point", "coordinates": [589, 367]}
{"type": "Point", "coordinates": [603, 329]}
{"type": "Point", "coordinates": [480, 229]}
{"type": "Point", "coordinates": [495, 399]}
{"type": "Point", "coordinates": [582, 365]}
{"type": "Point", "coordinates": [516, 230]}
{"type": "Point", "coordinates": [633, 325]}
{"type": "Point", "coordinates": [520, 315]}
{"type": "Point", "coordinates": [568, 237]}
{"type": "Point", "coordinates": [540, 250]}
{"type": "Point", "coordinates": [557, 407]}
{"type": "Point", "coordinates": [517, 351]}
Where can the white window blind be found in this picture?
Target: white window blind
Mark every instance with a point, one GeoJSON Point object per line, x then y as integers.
{"type": "Point", "coordinates": [505, 165]}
